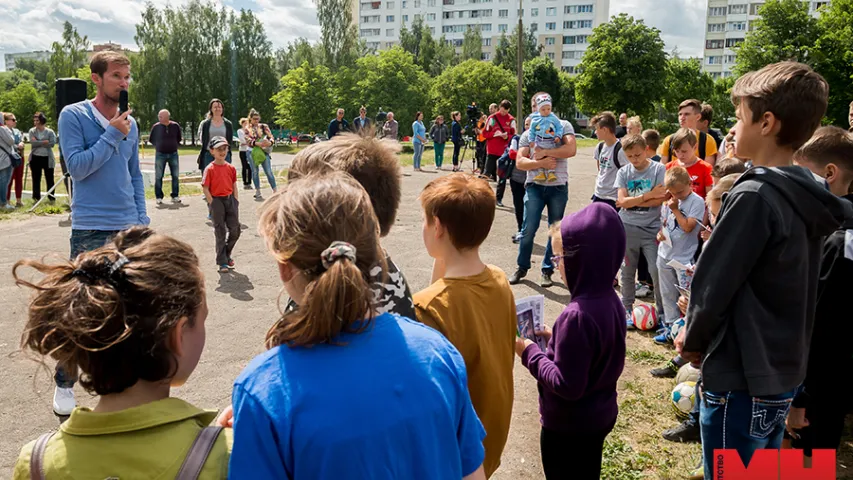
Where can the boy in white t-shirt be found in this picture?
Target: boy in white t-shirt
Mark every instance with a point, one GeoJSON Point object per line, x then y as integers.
{"type": "Point", "coordinates": [609, 156]}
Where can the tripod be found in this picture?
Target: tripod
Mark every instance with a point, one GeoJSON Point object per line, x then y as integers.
{"type": "Point", "coordinates": [66, 177]}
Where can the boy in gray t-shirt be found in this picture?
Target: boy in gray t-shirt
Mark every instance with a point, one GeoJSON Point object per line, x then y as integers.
{"type": "Point", "coordinates": [609, 156]}
{"type": "Point", "coordinates": [640, 193]}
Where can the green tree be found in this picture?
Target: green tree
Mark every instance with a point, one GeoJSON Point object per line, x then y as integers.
{"type": "Point", "coordinates": [306, 100]}
{"type": "Point", "coordinates": [833, 57]}
{"type": "Point", "coordinates": [252, 68]}
{"type": "Point", "coordinates": [472, 44]}
{"type": "Point", "coordinates": [66, 57]}
{"type": "Point", "coordinates": [85, 73]}
{"type": "Point", "coordinates": [721, 100]}
{"type": "Point", "coordinates": [445, 57]}
{"type": "Point", "coordinates": [622, 68]}
{"type": "Point", "coordinates": [540, 75]}
{"type": "Point", "coordinates": [23, 100]}
{"type": "Point", "coordinates": [784, 31]}
{"type": "Point", "coordinates": [296, 53]}
{"type": "Point", "coordinates": [685, 79]}
{"type": "Point", "coordinates": [13, 78]}
{"type": "Point", "coordinates": [453, 89]}
{"type": "Point", "coordinates": [337, 31]}
{"type": "Point", "coordinates": [506, 52]}
{"type": "Point", "coordinates": [566, 107]}
{"type": "Point", "coordinates": [394, 71]}
{"type": "Point", "coordinates": [38, 68]}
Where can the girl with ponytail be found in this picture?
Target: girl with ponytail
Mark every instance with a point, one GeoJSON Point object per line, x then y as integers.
{"type": "Point", "coordinates": [343, 392]}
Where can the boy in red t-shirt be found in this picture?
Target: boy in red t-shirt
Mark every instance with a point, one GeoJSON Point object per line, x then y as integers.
{"type": "Point", "coordinates": [684, 147]}
{"type": "Point", "coordinates": [220, 189]}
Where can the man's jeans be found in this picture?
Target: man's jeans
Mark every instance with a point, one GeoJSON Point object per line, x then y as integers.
{"type": "Point", "coordinates": [536, 199]}
{"type": "Point", "coordinates": [81, 241]}
{"type": "Point", "coordinates": [160, 161]}
{"type": "Point", "coordinates": [736, 420]}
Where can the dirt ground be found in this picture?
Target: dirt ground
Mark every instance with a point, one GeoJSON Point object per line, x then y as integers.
{"type": "Point", "coordinates": [243, 304]}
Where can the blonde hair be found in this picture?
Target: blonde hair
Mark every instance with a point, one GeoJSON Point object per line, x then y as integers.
{"type": "Point", "coordinates": [677, 175]}
{"type": "Point", "coordinates": [243, 121]}
{"type": "Point", "coordinates": [299, 224]}
{"type": "Point", "coordinates": [724, 185]}
{"type": "Point", "coordinates": [631, 141]}
{"type": "Point", "coordinates": [635, 121]}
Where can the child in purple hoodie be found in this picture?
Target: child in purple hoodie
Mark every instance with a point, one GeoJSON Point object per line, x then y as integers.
{"type": "Point", "coordinates": [577, 374]}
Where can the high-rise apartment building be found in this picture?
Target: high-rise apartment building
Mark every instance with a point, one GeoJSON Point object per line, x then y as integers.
{"type": "Point", "coordinates": [562, 26]}
{"type": "Point", "coordinates": [726, 26]}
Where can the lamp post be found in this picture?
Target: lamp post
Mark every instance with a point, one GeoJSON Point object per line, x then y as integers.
{"type": "Point", "coordinates": [519, 65]}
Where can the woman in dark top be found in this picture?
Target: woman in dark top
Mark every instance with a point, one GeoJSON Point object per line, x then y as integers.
{"type": "Point", "coordinates": [215, 124]}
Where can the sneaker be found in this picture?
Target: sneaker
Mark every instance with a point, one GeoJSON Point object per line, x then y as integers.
{"type": "Point", "coordinates": [63, 401]}
{"type": "Point", "coordinates": [670, 370]}
{"type": "Point", "coordinates": [545, 281]}
{"type": "Point", "coordinates": [258, 194]}
{"type": "Point", "coordinates": [230, 263]}
{"type": "Point", "coordinates": [224, 269]}
{"type": "Point", "coordinates": [500, 204]}
{"type": "Point", "coordinates": [698, 474]}
{"type": "Point", "coordinates": [517, 238]}
{"type": "Point", "coordinates": [247, 187]}
{"type": "Point", "coordinates": [516, 277]}
{"type": "Point", "coordinates": [540, 177]}
{"type": "Point", "coordinates": [629, 319]}
{"type": "Point", "coordinates": [159, 201]}
{"type": "Point", "coordinates": [20, 204]}
{"type": "Point", "coordinates": [176, 200]}
{"type": "Point", "coordinates": [642, 291]}
{"type": "Point", "coordinates": [684, 432]}
{"type": "Point", "coordinates": [663, 338]}
{"type": "Point", "coordinates": [552, 177]}
{"type": "Point", "coordinates": [9, 206]}
{"type": "Point", "coordinates": [210, 217]}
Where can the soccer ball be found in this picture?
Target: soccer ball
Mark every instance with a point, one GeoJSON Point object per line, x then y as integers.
{"type": "Point", "coordinates": [683, 396]}
{"type": "Point", "coordinates": [676, 327]}
{"type": "Point", "coordinates": [687, 373]}
{"type": "Point", "coordinates": [645, 316]}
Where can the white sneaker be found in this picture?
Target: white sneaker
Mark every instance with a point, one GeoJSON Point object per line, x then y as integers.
{"type": "Point", "coordinates": [159, 201]}
{"type": "Point", "coordinates": [642, 291]}
{"type": "Point", "coordinates": [258, 194]}
{"type": "Point", "coordinates": [63, 401]}
{"type": "Point", "coordinates": [176, 200]}
{"type": "Point", "coordinates": [9, 206]}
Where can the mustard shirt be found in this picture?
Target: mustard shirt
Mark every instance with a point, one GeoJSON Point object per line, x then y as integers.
{"type": "Point", "coordinates": [477, 315]}
{"type": "Point", "coordinates": [145, 442]}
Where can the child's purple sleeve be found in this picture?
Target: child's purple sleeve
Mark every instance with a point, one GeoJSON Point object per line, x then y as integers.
{"type": "Point", "coordinates": [568, 374]}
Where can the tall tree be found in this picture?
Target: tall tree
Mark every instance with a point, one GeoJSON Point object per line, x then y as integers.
{"type": "Point", "coordinates": [566, 107]}
{"type": "Point", "coordinates": [472, 44]}
{"type": "Point", "coordinates": [454, 89]}
{"type": "Point", "coordinates": [506, 52]}
{"type": "Point", "coordinates": [833, 57]}
{"type": "Point", "coordinates": [251, 62]}
{"type": "Point", "coordinates": [685, 79]}
{"type": "Point", "coordinates": [622, 67]}
{"type": "Point", "coordinates": [540, 75]}
{"type": "Point", "coordinates": [306, 100]}
{"type": "Point", "coordinates": [65, 58]}
{"type": "Point", "coordinates": [39, 68]}
{"type": "Point", "coordinates": [24, 100]}
{"type": "Point", "coordinates": [445, 57]}
{"type": "Point", "coordinates": [785, 30]}
{"type": "Point", "coordinates": [296, 53]}
{"type": "Point", "coordinates": [721, 100]}
{"type": "Point", "coordinates": [337, 31]}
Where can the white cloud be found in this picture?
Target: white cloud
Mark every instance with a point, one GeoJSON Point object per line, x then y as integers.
{"type": "Point", "coordinates": [681, 22]}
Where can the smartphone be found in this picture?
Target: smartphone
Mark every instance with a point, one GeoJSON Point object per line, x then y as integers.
{"type": "Point", "coordinates": [122, 101]}
{"type": "Point", "coordinates": [683, 291]}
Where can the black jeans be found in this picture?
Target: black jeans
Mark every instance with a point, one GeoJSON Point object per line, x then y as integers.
{"type": "Point", "coordinates": [226, 222]}
{"type": "Point", "coordinates": [480, 154]}
{"type": "Point", "coordinates": [518, 190]}
{"type": "Point", "coordinates": [575, 456]}
{"type": "Point", "coordinates": [39, 164]}
{"type": "Point", "coordinates": [457, 147]}
{"type": "Point", "coordinates": [491, 166]}
{"type": "Point", "coordinates": [246, 173]}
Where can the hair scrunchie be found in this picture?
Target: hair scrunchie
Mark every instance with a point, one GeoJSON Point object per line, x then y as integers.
{"type": "Point", "coordinates": [335, 252]}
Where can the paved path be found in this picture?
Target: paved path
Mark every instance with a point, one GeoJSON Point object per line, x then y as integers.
{"type": "Point", "coordinates": [189, 163]}
{"type": "Point", "coordinates": [243, 306]}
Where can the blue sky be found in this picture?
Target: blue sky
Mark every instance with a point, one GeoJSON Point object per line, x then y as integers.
{"type": "Point", "coordinates": [34, 24]}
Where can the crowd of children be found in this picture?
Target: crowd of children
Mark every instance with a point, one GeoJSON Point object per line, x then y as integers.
{"type": "Point", "coordinates": [354, 350]}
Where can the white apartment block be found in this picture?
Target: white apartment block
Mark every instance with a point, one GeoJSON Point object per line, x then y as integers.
{"type": "Point", "coordinates": [562, 26]}
{"type": "Point", "coordinates": [726, 26]}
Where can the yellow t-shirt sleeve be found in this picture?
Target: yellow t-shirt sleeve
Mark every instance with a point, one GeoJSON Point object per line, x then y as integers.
{"type": "Point", "coordinates": [22, 466]}
{"type": "Point", "coordinates": [710, 146]}
{"type": "Point", "coordinates": [663, 150]}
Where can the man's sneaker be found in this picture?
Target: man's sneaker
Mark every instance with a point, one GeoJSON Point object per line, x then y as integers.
{"type": "Point", "coordinates": [159, 201]}
{"type": "Point", "coordinates": [248, 186]}
{"type": "Point", "coordinates": [224, 269]}
{"type": "Point", "coordinates": [176, 200]}
{"type": "Point", "coordinates": [516, 277]}
{"type": "Point", "coordinates": [642, 291]}
{"type": "Point", "coordinates": [63, 401]}
{"type": "Point", "coordinates": [629, 319]}
{"type": "Point", "coordinates": [545, 281]}
{"type": "Point", "coordinates": [663, 338]}
{"type": "Point", "coordinates": [670, 370]}
{"type": "Point", "coordinates": [230, 263]}
{"type": "Point", "coordinates": [517, 238]}
{"type": "Point", "coordinates": [684, 432]}
{"type": "Point", "coordinates": [258, 194]}
{"type": "Point", "coordinates": [500, 204]}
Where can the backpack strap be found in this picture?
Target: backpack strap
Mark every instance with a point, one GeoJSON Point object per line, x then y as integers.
{"type": "Point", "coordinates": [37, 456]}
{"type": "Point", "coordinates": [199, 451]}
{"type": "Point", "coordinates": [616, 149]}
{"type": "Point", "coordinates": [703, 142]}
{"type": "Point", "coordinates": [598, 150]}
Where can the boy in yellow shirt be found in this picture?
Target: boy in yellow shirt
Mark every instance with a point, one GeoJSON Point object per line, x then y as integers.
{"type": "Point", "coordinates": [469, 302]}
{"type": "Point", "coordinates": [689, 113]}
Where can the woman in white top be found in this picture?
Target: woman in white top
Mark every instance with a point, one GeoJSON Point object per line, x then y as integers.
{"type": "Point", "coordinates": [244, 158]}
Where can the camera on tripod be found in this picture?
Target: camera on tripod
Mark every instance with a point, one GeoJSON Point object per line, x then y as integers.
{"type": "Point", "coordinates": [473, 113]}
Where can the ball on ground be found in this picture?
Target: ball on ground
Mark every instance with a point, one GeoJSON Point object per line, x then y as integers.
{"type": "Point", "coordinates": [645, 316]}
{"type": "Point", "coordinates": [683, 396]}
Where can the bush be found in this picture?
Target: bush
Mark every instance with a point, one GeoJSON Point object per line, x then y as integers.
{"type": "Point", "coordinates": [662, 126]}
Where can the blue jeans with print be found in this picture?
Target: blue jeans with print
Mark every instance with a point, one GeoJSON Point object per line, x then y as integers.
{"type": "Point", "coordinates": [419, 152]}
{"type": "Point", "coordinates": [256, 173]}
{"type": "Point", "coordinates": [81, 241]}
{"type": "Point", "coordinates": [736, 420]}
{"type": "Point", "coordinates": [160, 162]}
{"type": "Point", "coordinates": [536, 199]}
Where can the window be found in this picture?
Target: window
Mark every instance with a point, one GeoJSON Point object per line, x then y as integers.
{"type": "Point", "coordinates": [457, 43]}
{"type": "Point", "coordinates": [736, 26]}
{"type": "Point", "coordinates": [485, 56]}
{"type": "Point", "coordinates": [716, 27]}
{"type": "Point", "coordinates": [370, 19]}
{"type": "Point", "coordinates": [739, 9]}
{"type": "Point", "coordinates": [430, 17]}
{"type": "Point", "coordinates": [568, 39]}
{"type": "Point", "coordinates": [372, 45]}
{"type": "Point", "coordinates": [430, 3]}
{"type": "Point", "coordinates": [405, 3]}
{"type": "Point", "coordinates": [729, 59]}
{"type": "Point", "coordinates": [486, 27]}
{"type": "Point", "coordinates": [405, 18]}
{"type": "Point", "coordinates": [432, 31]}
{"type": "Point", "coordinates": [389, 18]}
{"type": "Point", "coordinates": [818, 5]}
{"type": "Point", "coordinates": [550, 55]}
{"type": "Point", "coordinates": [584, 23]}
{"type": "Point", "coordinates": [447, 15]}
{"type": "Point", "coordinates": [572, 54]}
{"type": "Point", "coordinates": [417, 3]}
{"type": "Point", "coordinates": [715, 75]}
{"type": "Point", "coordinates": [551, 12]}
{"type": "Point", "coordinates": [550, 41]}
{"type": "Point", "coordinates": [733, 42]}
{"type": "Point", "coordinates": [551, 26]}
{"type": "Point", "coordinates": [389, 32]}
{"type": "Point", "coordinates": [371, 5]}
{"type": "Point", "coordinates": [534, 12]}
{"type": "Point", "coordinates": [502, 28]}
{"type": "Point", "coordinates": [370, 32]}
{"type": "Point", "coordinates": [727, 74]}
{"type": "Point", "coordinates": [568, 68]}
{"type": "Point", "coordinates": [714, 60]}
{"type": "Point", "coordinates": [534, 27]}
{"type": "Point", "coordinates": [487, 42]}
{"type": "Point", "coordinates": [753, 8]}
{"type": "Point", "coordinates": [581, 39]}
{"type": "Point", "coordinates": [717, 12]}
{"type": "Point", "coordinates": [448, 2]}
{"type": "Point", "coordinates": [503, 13]}
{"type": "Point", "coordinates": [572, 9]}
{"type": "Point", "coordinates": [713, 44]}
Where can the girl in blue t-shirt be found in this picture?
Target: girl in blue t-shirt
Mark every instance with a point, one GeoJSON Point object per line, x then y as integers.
{"type": "Point", "coordinates": [343, 392]}
{"type": "Point", "coordinates": [418, 140]}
